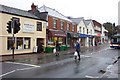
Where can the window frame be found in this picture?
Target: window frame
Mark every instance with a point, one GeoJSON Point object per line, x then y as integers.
{"type": "Point", "coordinates": [62, 24]}
{"type": "Point", "coordinates": [39, 26]}
{"type": "Point", "coordinates": [54, 23]}
{"type": "Point", "coordinates": [73, 27]}
{"type": "Point", "coordinates": [17, 43]}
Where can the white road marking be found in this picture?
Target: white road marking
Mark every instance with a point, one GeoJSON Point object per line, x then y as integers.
{"type": "Point", "coordinates": [90, 76]}
{"type": "Point", "coordinates": [16, 70]}
{"type": "Point", "coordinates": [107, 71]}
{"type": "Point", "coordinates": [24, 64]}
{"type": "Point", "coordinates": [103, 75]}
{"type": "Point", "coordinates": [32, 66]}
{"type": "Point", "coordinates": [25, 68]}
{"type": "Point", "coordinates": [85, 56]}
{"type": "Point", "coordinates": [7, 73]}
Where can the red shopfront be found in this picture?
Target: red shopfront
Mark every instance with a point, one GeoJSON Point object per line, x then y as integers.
{"type": "Point", "coordinates": [56, 35]}
{"type": "Point", "coordinates": [98, 39]}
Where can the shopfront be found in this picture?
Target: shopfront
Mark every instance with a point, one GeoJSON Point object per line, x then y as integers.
{"type": "Point", "coordinates": [83, 38]}
{"type": "Point", "coordinates": [91, 40]}
{"type": "Point", "coordinates": [98, 39]}
{"type": "Point", "coordinates": [25, 41]}
{"type": "Point", "coordinates": [56, 35]}
{"type": "Point", "coordinates": [52, 37]}
{"type": "Point", "coordinates": [72, 39]}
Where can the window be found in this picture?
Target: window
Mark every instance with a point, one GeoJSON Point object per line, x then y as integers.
{"type": "Point", "coordinates": [87, 31]}
{"type": "Point", "coordinates": [80, 29]}
{"type": "Point", "coordinates": [9, 43]}
{"type": "Point", "coordinates": [62, 25]}
{"type": "Point", "coordinates": [68, 26]}
{"type": "Point", "coordinates": [72, 27]}
{"type": "Point", "coordinates": [26, 43]}
{"type": "Point", "coordinates": [20, 43]}
{"type": "Point", "coordinates": [55, 23]}
{"type": "Point", "coordinates": [39, 26]}
{"type": "Point", "coordinates": [91, 31]}
{"type": "Point", "coordinates": [83, 30]}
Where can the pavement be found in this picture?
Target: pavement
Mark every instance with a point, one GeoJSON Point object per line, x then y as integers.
{"type": "Point", "coordinates": [32, 56]}
{"type": "Point", "coordinates": [43, 58]}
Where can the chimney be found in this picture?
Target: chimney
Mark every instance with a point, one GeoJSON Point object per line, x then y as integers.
{"type": "Point", "coordinates": [33, 7]}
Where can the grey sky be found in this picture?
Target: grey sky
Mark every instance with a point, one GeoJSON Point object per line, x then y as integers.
{"type": "Point", "coordinates": [100, 10]}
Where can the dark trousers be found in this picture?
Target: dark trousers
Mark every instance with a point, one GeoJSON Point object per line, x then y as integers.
{"type": "Point", "coordinates": [78, 51]}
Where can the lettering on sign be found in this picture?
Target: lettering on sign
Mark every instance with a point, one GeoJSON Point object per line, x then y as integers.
{"type": "Point", "coordinates": [28, 27]}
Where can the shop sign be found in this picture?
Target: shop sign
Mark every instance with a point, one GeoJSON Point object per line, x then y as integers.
{"type": "Point", "coordinates": [28, 27]}
{"type": "Point", "coordinates": [98, 34]}
{"type": "Point", "coordinates": [60, 35]}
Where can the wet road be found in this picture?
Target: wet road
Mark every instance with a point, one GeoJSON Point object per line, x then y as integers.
{"type": "Point", "coordinates": [92, 61]}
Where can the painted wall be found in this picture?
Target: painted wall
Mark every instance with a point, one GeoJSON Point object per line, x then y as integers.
{"type": "Point", "coordinates": [82, 25]}
{"type": "Point", "coordinates": [33, 35]}
{"type": "Point", "coordinates": [90, 28]}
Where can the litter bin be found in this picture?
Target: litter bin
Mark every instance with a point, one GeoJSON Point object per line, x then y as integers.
{"type": "Point", "coordinates": [62, 48]}
{"type": "Point", "coordinates": [49, 49]}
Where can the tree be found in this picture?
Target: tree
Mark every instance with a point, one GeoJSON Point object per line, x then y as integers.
{"type": "Point", "coordinates": [110, 27]}
{"type": "Point", "coordinates": [117, 28]}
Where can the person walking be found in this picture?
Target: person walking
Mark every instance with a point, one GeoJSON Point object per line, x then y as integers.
{"type": "Point", "coordinates": [78, 49]}
{"type": "Point", "coordinates": [57, 48]}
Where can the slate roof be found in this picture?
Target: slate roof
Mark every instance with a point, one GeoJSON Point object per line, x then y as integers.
{"type": "Point", "coordinates": [87, 22]}
{"type": "Point", "coordinates": [40, 15]}
{"type": "Point", "coordinates": [53, 12]}
{"type": "Point", "coordinates": [15, 11]}
{"type": "Point", "coordinates": [77, 20]}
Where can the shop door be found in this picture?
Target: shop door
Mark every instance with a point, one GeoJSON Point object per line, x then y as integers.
{"type": "Point", "coordinates": [39, 40]}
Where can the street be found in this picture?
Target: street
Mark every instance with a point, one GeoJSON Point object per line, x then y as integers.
{"type": "Point", "coordinates": [93, 64]}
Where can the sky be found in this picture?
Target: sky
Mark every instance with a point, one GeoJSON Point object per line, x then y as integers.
{"type": "Point", "coordinates": [100, 10]}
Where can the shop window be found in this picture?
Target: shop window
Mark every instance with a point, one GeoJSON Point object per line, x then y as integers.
{"type": "Point", "coordinates": [26, 43]}
{"type": "Point", "coordinates": [19, 43]}
{"type": "Point", "coordinates": [39, 26]}
{"type": "Point", "coordinates": [9, 43]}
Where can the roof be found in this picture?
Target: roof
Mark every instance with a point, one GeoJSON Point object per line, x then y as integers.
{"type": "Point", "coordinates": [15, 11]}
{"type": "Point", "coordinates": [96, 23]}
{"type": "Point", "coordinates": [40, 15]}
{"type": "Point", "coordinates": [87, 22]}
{"type": "Point", "coordinates": [53, 12]}
{"type": "Point", "coordinates": [77, 20]}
